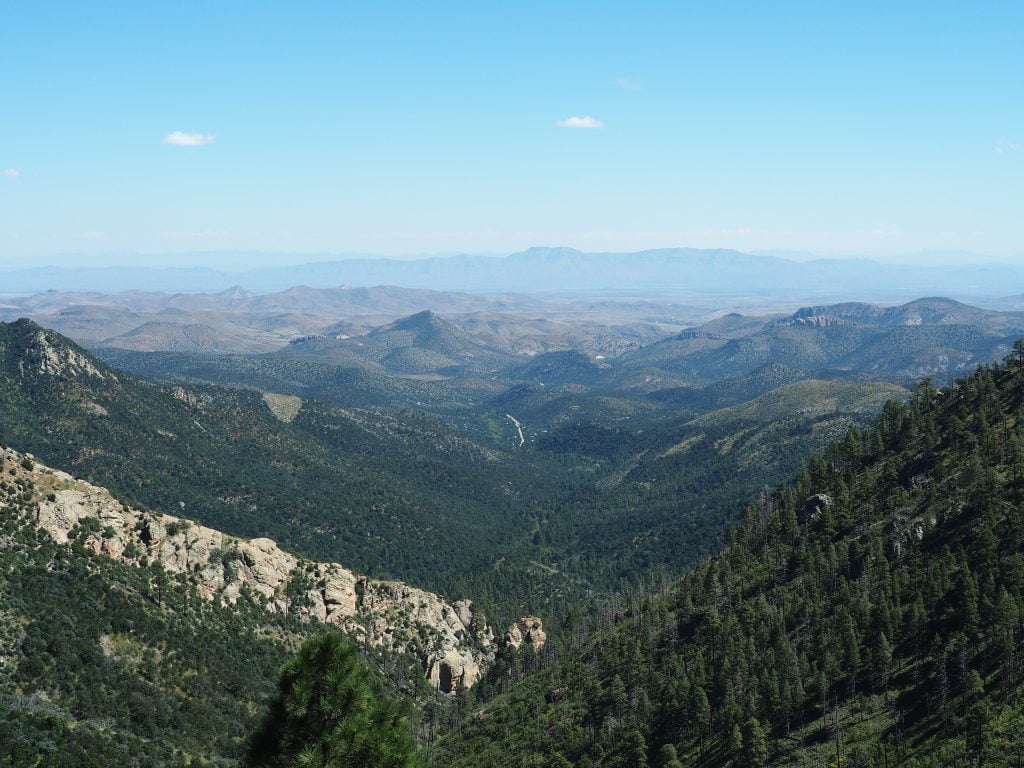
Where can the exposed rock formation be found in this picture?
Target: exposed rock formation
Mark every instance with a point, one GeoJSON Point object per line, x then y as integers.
{"type": "Point", "coordinates": [814, 507]}
{"type": "Point", "coordinates": [452, 641]}
{"type": "Point", "coordinates": [43, 357]}
{"type": "Point", "coordinates": [528, 630]}
{"type": "Point", "coordinates": [814, 321]}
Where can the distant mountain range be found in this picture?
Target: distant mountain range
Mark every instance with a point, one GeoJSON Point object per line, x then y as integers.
{"type": "Point", "coordinates": [925, 337]}
{"type": "Point", "coordinates": [479, 367]}
{"type": "Point", "coordinates": [375, 301]}
{"type": "Point", "coordinates": [237, 320]}
{"type": "Point", "coordinates": [682, 273]}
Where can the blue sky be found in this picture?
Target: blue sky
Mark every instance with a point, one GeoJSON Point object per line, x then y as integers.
{"type": "Point", "coordinates": [834, 127]}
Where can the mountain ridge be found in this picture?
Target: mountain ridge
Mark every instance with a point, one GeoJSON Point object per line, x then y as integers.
{"type": "Point", "coordinates": [383, 614]}
{"type": "Point", "coordinates": [925, 337]}
{"type": "Point", "coordinates": [386, 493]}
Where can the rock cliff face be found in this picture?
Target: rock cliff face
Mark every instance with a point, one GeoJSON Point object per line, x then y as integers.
{"type": "Point", "coordinates": [814, 321]}
{"type": "Point", "coordinates": [42, 357]}
{"type": "Point", "coordinates": [529, 630]}
{"type": "Point", "coordinates": [451, 640]}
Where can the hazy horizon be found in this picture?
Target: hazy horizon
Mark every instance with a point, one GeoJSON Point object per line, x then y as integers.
{"type": "Point", "coordinates": [240, 260]}
{"type": "Point", "coordinates": [728, 277]}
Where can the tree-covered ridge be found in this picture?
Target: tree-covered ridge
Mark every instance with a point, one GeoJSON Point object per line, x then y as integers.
{"type": "Point", "coordinates": [592, 504]}
{"type": "Point", "coordinates": [867, 614]}
{"type": "Point", "coordinates": [104, 662]}
{"type": "Point", "coordinates": [397, 494]}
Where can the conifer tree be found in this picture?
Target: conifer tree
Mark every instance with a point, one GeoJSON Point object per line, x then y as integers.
{"type": "Point", "coordinates": [755, 744]}
{"type": "Point", "coordinates": [325, 715]}
{"type": "Point", "coordinates": [668, 757]}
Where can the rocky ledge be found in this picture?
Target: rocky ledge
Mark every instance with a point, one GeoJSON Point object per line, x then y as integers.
{"type": "Point", "coordinates": [451, 640]}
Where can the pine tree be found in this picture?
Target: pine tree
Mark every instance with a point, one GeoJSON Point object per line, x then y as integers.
{"type": "Point", "coordinates": [755, 744]}
{"type": "Point", "coordinates": [635, 750]}
{"type": "Point", "coordinates": [735, 740]}
{"type": "Point", "coordinates": [668, 757]}
{"type": "Point", "coordinates": [326, 716]}
{"type": "Point", "coordinates": [701, 713]}
{"type": "Point", "coordinates": [968, 595]}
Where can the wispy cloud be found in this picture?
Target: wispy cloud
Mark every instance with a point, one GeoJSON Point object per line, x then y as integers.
{"type": "Point", "coordinates": [10, 173]}
{"type": "Point", "coordinates": [580, 122]}
{"type": "Point", "coordinates": [185, 139]}
{"type": "Point", "coordinates": [629, 83]}
{"type": "Point", "coordinates": [1005, 146]}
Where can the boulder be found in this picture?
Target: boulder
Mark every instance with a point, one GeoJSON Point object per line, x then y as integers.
{"type": "Point", "coordinates": [814, 506]}
{"type": "Point", "coordinates": [529, 630]}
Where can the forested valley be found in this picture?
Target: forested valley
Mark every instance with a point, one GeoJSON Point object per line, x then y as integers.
{"type": "Point", "coordinates": [866, 614]}
{"type": "Point", "coordinates": [772, 570]}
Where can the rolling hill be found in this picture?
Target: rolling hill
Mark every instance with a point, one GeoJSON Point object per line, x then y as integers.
{"type": "Point", "coordinates": [423, 343]}
{"type": "Point", "coordinates": [928, 337]}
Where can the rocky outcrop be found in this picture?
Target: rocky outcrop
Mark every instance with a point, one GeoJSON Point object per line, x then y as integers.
{"type": "Point", "coordinates": [45, 357]}
{"type": "Point", "coordinates": [529, 630]}
{"type": "Point", "coordinates": [814, 506]}
{"type": "Point", "coordinates": [451, 640]}
{"type": "Point", "coordinates": [813, 321]}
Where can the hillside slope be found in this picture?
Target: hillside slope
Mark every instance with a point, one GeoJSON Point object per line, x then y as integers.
{"type": "Point", "coordinates": [866, 614]}
{"type": "Point", "coordinates": [423, 343]}
{"type": "Point", "coordinates": [670, 488]}
{"type": "Point", "coordinates": [452, 642]}
{"type": "Point", "coordinates": [109, 662]}
{"type": "Point", "coordinates": [389, 494]}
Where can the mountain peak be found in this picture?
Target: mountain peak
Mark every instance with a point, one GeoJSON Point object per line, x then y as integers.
{"type": "Point", "coordinates": [22, 325]}
{"type": "Point", "coordinates": [421, 321]}
{"type": "Point", "coordinates": [935, 310]}
{"type": "Point", "coordinates": [234, 293]}
{"type": "Point", "coordinates": [936, 302]}
{"type": "Point", "coordinates": [32, 350]}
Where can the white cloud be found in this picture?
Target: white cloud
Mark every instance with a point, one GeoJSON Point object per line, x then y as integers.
{"type": "Point", "coordinates": [1007, 146]}
{"type": "Point", "coordinates": [184, 139]}
{"type": "Point", "coordinates": [629, 83]}
{"type": "Point", "coordinates": [580, 122]}
{"type": "Point", "coordinates": [10, 173]}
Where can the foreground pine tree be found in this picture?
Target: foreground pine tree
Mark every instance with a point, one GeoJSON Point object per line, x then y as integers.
{"type": "Point", "coordinates": [326, 715]}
